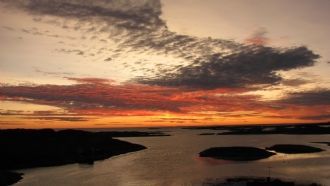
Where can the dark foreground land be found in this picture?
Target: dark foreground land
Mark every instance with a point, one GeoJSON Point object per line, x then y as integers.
{"type": "Point", "coordinates": [8, 177]}
{"type": "Point", "coordinates": [23, 148]}
{"type": "Point", "coordinates": [296, 129]}
{"type": "Point", "coordinates": [248, 181]}
{"type": "Point", "coordinates": [236, 153]}
{"type": "Point", "coordinates": [294, 149]}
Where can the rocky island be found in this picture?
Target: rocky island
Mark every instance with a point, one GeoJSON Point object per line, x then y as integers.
{"type": "Point", "coordinates": [236, 153]}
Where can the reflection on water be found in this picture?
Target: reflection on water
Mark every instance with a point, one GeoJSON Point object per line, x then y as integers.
{"type": "Point", "coordinates": [174, 160]}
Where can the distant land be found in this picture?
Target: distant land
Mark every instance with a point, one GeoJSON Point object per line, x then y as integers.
{"type": "Point", "coordinates": [315, 129]}
{"type": "Point", "coordinates": [256, 181]}
{"type": "Point", "coordinates": [246, 153]}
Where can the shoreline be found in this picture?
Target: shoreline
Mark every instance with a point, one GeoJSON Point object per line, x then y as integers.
{"type": "Point", "coordinates": [27, 148]}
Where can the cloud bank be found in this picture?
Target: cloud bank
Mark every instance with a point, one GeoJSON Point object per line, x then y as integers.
{"type": "Point", "coordinates": [97, 97]}
{"type": "Point", "coordinates": [309, 98]}
{"type": "Point", "coordinates": [254, 65]}
{"type": "Point", "coordinates": [93, 94]}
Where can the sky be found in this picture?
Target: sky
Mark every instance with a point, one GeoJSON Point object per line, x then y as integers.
{"type": "Point", "coordinates": [145, 63]}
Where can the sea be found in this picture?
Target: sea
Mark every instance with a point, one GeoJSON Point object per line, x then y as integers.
{"type": "Point", "coordinates": [173, 160]}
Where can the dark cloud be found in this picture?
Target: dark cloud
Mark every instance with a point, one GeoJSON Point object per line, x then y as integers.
{"type": "Point", "coordinates": [90, 80]}
{"type": "Point", "coordinates": [59, 118]}
{"type": "Point", "coordinates": [128, 13]}
{"type": "Point", "coordinates": [52, 73]}
{"type": "Point", "coordinates": [294, 82]}
{"type": "Point", "coordinates": [10, 112]}
{"type": "Point", "coordinates": [250, 66]}
{"type": "Point", "coordinates": [317, 117]}
{"type": "Point", "coordinates": [108, 59]}
{"type": "Point", "coordinates": [38, 32]}
{"type": "Point", "coordinates": [32, 31]}
{"type": "Point", "coordinates": [239, 115]}
{"type": "Point", "coordinates": [321, 116]}
{"type": "Point", "coordinates": [309, 98]}
{"type": "Point", "coordinates": [174, 120]}
{"type": "Point", "coordinates": [9, 123]}
{"type": "Point", "coordinates": [70, 51]}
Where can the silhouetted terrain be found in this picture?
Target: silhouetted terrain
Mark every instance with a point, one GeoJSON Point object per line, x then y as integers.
{"type": "Point", "coordinates": [8, 177]}
{"type": "Point", "coordinates": [251, 181]}
{"type": "Point", "coordinates": [207, 134]}
{"type": "Point", "coordinates": [31, 148]}
{"type": "Point", "coordinates": [25, 148]}
{"type": "Point", "coordinates": [236, 153]}
{"type": "Point", "coordinates": [317, 128]}
{"type": "Point", "coordinates": [294, 149]}
{"type": "Point", "coordinates": [135, 134]}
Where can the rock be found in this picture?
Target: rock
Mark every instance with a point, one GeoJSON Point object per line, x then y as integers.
{"type": "Point", "coordinates": [236, 153]}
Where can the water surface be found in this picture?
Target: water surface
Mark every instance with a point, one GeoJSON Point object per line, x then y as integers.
{"type": "Point", "coordinates": [174, 160]}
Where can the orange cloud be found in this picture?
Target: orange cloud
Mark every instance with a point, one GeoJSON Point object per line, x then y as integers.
{"type": "Point", "coordinates": [258, 37]}
{"type": "Point", "coordinates": [149, 103]}
{"type": "Point", "coordinates": [100, 95]}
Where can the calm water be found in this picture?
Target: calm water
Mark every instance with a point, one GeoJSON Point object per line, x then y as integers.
{"type": "Point", "coordinates": [174, 160]}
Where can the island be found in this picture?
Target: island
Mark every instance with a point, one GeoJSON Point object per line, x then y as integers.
{"type": "Point", "coordinates": [28, 148]}
{"type": "Point", "coordinates": [237, 153]}
{"type": "Point", "coordinates": [207, 134]}
{"type": "Point", "coordinates": [294, 149]}
{"type": "Point", "coordinates": [256, 181]}
{"type": "Point", "coordinates": [136, 134]}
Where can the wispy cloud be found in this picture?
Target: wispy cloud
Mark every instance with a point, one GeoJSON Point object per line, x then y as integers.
{"type": "Point", "coordinates": [317, 117]}
{"type": "Point", "coordinates": [94, 94]}
{"type": "Point", "coordinates": [259, 37]}
{"type": "Point", "coordinates": [58, 118]}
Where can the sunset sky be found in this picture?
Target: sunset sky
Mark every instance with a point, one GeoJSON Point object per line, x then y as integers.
{"type": "Point", "coordinates": [136, 63]}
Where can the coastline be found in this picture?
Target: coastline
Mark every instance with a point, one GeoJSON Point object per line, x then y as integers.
{"type": "Point", "coordinates": [27, 148]}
